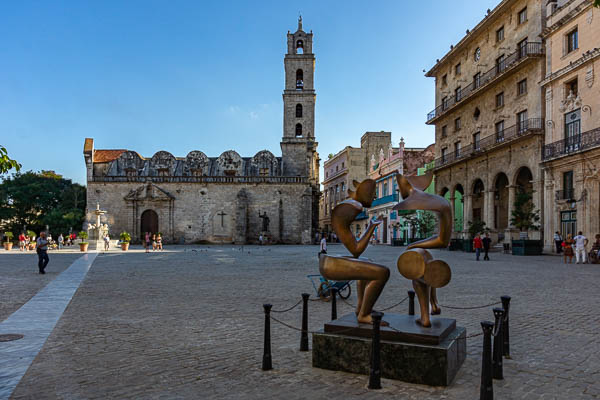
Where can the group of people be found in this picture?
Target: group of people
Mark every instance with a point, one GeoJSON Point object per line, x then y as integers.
{"type": "Point", "coordinates": [153, 239]}
{"type": "Point", "coordinates": [575, 246]}
{"type": "Point", "coordinates": [484, 244]}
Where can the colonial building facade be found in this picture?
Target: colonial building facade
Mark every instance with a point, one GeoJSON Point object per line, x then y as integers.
{"type": "Point", "coordinates": [571, 154]}
{"type": "Point", "coordinates": [221, 199]}
{"type": "Point", "coordinates": [489, 116]}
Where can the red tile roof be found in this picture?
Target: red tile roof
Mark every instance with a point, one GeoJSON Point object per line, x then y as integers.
{"type": "Point", "coordinates": [101, 156]}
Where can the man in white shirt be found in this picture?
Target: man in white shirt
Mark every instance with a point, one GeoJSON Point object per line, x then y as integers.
{"type": "Point", "coordinates": [42, 252]}
{"type": "Point", "coordinates": [580, 243]}
{"type": "Point", "coordinates": [323, 246]}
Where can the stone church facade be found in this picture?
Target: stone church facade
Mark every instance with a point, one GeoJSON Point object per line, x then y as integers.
{"type": "Point", "coordinates": [224, 199]}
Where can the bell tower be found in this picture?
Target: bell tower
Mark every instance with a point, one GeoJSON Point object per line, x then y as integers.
{"type": "Point", "coordinates": [298, 146]}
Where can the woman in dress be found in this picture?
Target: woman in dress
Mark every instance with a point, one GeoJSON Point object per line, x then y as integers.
{"type": "Point", "coordinates": [568, 248]}
{"type": "Point", "coordinates": [159, 242]}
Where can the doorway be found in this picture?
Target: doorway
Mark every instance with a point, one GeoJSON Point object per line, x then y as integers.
{"type": "Point", "coordinates": [149, 222]}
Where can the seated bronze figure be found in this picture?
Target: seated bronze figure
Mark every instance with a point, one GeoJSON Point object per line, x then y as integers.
{"type": "Point", "coordinates": [416, 263]}
{"type": "Point", "coordinates": [370, 277]}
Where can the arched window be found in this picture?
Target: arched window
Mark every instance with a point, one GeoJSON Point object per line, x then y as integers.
{"type": "Point", "coordinates": [298, 110]}
{"type": "Point", "coordinates": [299, 79]}
{"type": "Point", "coordinates": [298, 129]}
{"type": "Point", "coordinates": [300, 47]}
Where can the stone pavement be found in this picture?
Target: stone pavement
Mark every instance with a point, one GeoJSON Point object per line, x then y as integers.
{"type": "Point", "coordinates": [188, 323]}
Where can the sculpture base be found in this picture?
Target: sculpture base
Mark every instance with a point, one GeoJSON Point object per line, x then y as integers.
{"type": "Point", "coordinates": [404, 360]}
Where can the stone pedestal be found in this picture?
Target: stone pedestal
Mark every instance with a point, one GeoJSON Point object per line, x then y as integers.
{"type": "Point", "coordinates": [409, 352]}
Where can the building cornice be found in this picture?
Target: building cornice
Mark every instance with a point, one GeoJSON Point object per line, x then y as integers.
{"type": "Point", "coordinates": [581, 61]}
{"type": "Point", "coordinates": [574, 13]}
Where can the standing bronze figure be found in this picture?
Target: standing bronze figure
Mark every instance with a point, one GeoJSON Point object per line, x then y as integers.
{"type": "Point", "coordinates": [416, 263]}
{"type": "Point", "coordinates": [370, 277]}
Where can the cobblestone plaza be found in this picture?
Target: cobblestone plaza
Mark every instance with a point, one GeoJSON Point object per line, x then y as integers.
{"type": "Point", "coordinates": [188, 323]}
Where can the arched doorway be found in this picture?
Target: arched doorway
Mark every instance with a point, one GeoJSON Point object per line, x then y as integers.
{"type": "Point", "coordinates": [149, 222]}
{"type": "Point", "coordinates": [501, 201]}
{"type": "Point", "coordinates": [478, 190]}
{"type": "Point", "coordinates": [523, 180]}
{"type": "Point", "coordinates": [459, 193]}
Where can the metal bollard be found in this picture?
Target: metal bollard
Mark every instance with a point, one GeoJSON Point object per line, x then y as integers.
{"type": "Point", "coordinates": [487, 389]}
{"type": "Point", "coordinates": [375, 371]}
{"type": "Point", "coordinates": [497, 372]}
{"type": "Point", "coordinates": [333, 292]}
{"type": "Point", "coordinates": [506, 344]}
{"type": "Point", "coordinates": [304, 335]}
{"type": "Point", "coordinates": [267, 362]}
{"type": "Point", "coordinates": [411, 302]}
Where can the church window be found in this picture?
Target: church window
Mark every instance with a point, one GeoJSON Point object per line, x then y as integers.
{"type": "Point", "coordinates": [197, 172]}
{"type": "Point", "coordinates": [298, 110]}
{"type": "Point", "coordinates": [300, 47]}
{"type": "Point", "coordinates": [298, 129]}
{"type": "Point", "coordinates": [163, 172]}
{"type": "Point", "coordinates": [299, 79]}
{"type": "Point", "coordinates": [264, 172]}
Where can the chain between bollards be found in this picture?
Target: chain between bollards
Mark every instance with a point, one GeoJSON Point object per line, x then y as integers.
{"type": "Point", "coordinates": [497, 372]}
{"type": "Point", "coordinates": [375, 370]}
{"type": "Point", "coordinates": [304, 334]}
{"type": "Point", "coordinates": [333, 292]}
{"type": "Point", "coordinates": [267, 363]}
{"type": "Point", "coordinates": [411, 302]}
{"type": "Point", "coordinates": [506, 344]}
{"type": "Point", "coordinates": [487, 389]}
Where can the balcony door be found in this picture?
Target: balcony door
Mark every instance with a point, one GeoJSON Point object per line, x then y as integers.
{"type": "Point", "coordinates": [568, 223]}
{"type": "Point", "coordinates": [572, 130]}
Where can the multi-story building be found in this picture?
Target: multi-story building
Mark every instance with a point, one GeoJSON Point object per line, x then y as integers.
{"type": "Point", "coordinates": [344, 167]}
{"type": "Point", "coordinates": [571, 154]}
{"type": "Point", "coordinates": [383, 168]}
{"type": "Point", "coordinates": [489, 116]}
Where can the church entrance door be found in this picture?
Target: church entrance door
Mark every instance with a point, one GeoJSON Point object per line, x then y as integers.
{"type": "Point", "coordinates": [149, 222]}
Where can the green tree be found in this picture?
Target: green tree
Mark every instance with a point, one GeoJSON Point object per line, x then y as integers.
{"type": "Point", "coordinates": [597, 3]}
{"type": "Point", "coordinates": [476, 227]}
{"type": "Point", "coordinates": [422, 223]}
{"type": "Point", "coordinates": [524, 215]}
{"type": "Point", "coordinates": [6, 163]}
{"type": "Point", "coordinates": [40, 199]}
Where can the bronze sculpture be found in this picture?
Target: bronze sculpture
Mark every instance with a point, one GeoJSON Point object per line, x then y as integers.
{"type": "Point", "coordinates": [370, 277]}
{"type": "Point", "coordinates": [416, 263]}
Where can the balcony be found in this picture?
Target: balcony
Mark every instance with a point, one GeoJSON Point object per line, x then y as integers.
{"type": "Point", "coordinates": [528, 51]}
{"type": "Point", "coordinates": [572, 145]}
{"type": "Point", "coordinates": [567, 194]}
{"type": "Point", "coordinates": [511, 134]}
{"type": "Point", "coordinates": [385, 199]}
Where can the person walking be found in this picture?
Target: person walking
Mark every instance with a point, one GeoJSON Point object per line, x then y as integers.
{"type": "Point", "coordinates": [154, 244]}
{"type": "Point", "coordinates": [42, 252]}
{"type": "Point", "coordinates": [260, 239]}
{"type": "Point", "coordinates": [558, 242]}
{"type": "Point", "coordinates": [580, 244]}
{"type": "Point", "coordinates": [477, 245]}
{"type": "Point", "coordinates": [567, 246]}
{"type": "Point", "coordinates": [323, 246]}
{"type": "Point", "coordinates": [486, 246]}
{"type": "Point", "coordinates": [61, 239]}
{"type": "Point", "coordinates": [147, 242]}
{"type": "Point", "coordinates": [106, 242]}
{"type": "Point", "coordinates": [22, 242]}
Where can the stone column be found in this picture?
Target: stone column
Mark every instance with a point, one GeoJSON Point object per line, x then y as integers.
{"type": "Point", "coordinates": [452, 207]}
{"type": "Point", "coordinates": [537, 198]}
{"type": "Point", "coordinates": [593, 201]}
{"type": "Point", "coordinates": [488, 208]}
{"type": "Point", "coordinates": [549, 213]}
{"type": "Point", "coordinates": [512, 193]}
{"type": "Point", "coordinates": [467, 212]}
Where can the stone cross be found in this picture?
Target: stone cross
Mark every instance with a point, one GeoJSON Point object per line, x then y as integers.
{"type": "Point", "coordinates": [222, 215]}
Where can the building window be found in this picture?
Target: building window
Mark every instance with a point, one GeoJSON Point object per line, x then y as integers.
{"type": "Point", "coordinates": [572, 41]}
{"type": "Point", "coordinates": [571, 87]}
{"type": "Point", "coordinates": [500, 64]}
{"type": "Point", "coordinates": [264, 172]}
{"type": "Point", "coordinates": [385, 188]}
{"type": "Point", "coordinates": [376, 191]}
{"type": "Point", "coordinates": [300, 46]}
{"type": "Point", "coordinates": [444, 154]}
{"type": "Point", "coordinates": [327, 174]}
{"type": "Point", "coordinates": [568, 185]}
{"type": "Point", "coordinates": [298, 110]}
{"type": "Point", "coordinates": [499, 131]}
{"type": "Point", "coordinates": [445, 103]}
{"type": "Point", "coordinates": [457, 124]}
{"type": "Point", "coordinates": [457, 69]}
{"type": "Point", "coordinates": [522, 46]}
{"type": "Point", "coordinates": [445, 131]}
{"type": "Point", "coordinates": [476, 80]}
{"type": "Point", "coordinates": [298, 130]}
{"type": "Point", "coordinates": [343, 164]}
{"type": "Point", "coordinates": [458, 93]}
{"type": "Point", "coordinates": [500, 99]}
{"type": "Point", "coordinates": [343, 187]}
{"type": "Point", "coordinates": [522, 16]}
{"type": "Point", "coordinates": [445, 79]}
{"type": "Point", "coordinates": [457, 149]}
{"type": "Point", "coordinates": [299, 79]}
{"type": "Point", "coordinates": [337, 188]}
{"type": "Point", "coordinates": [522, 124]}
{"type": "Point", "coordinates": [573, 129]}
{"type": "Point", "coordinates": [500, 34]}
{"type": "Point", "coordinates": [522, 87]}
{"type": "Point", "coordinates": [337, 168]}
{"type": "Point", "coordinates": [476, 138]}
{"type": "Point", "coordinates": [163, 172]}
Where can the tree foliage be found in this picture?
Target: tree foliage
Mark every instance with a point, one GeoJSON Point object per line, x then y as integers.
{"type": "Point", "coordinates": [475, 227]}
{"type": "Point", "coordinates": [37, 199]}
{"type": "Point", "coordinates": [597, 3]}
{"type": "Point", "coordinates": [6, 163]}
{"type": "Point", "coordinates": [422, 223]}
{"type": "Point", "coordinates": [524, 216]}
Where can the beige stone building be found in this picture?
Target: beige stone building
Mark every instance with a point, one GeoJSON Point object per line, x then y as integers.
{"type": "Point", "coordinates": [489, 115]}
{"type": "Point", "coordinates": [220, 199]}
{"type": "Point", "coordinates": [571, 153]}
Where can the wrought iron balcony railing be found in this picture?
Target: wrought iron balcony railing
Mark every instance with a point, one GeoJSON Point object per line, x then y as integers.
{"type": "Point", "coordinates": [527, 51]}
{"type": "Point", "coordinates": [571, 145]}
{"type": "Point", "coordinates": [567, 194]}
{"type": "Point", "coordinates": [507, 135]}
{"type": "Point", "coordinates": [385, 199]}
{"type": "Point", "coordinates": [203, 179]}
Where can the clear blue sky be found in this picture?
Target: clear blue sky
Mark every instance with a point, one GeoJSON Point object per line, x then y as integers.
{"type": "Point", "coordinates": [194, 75]}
